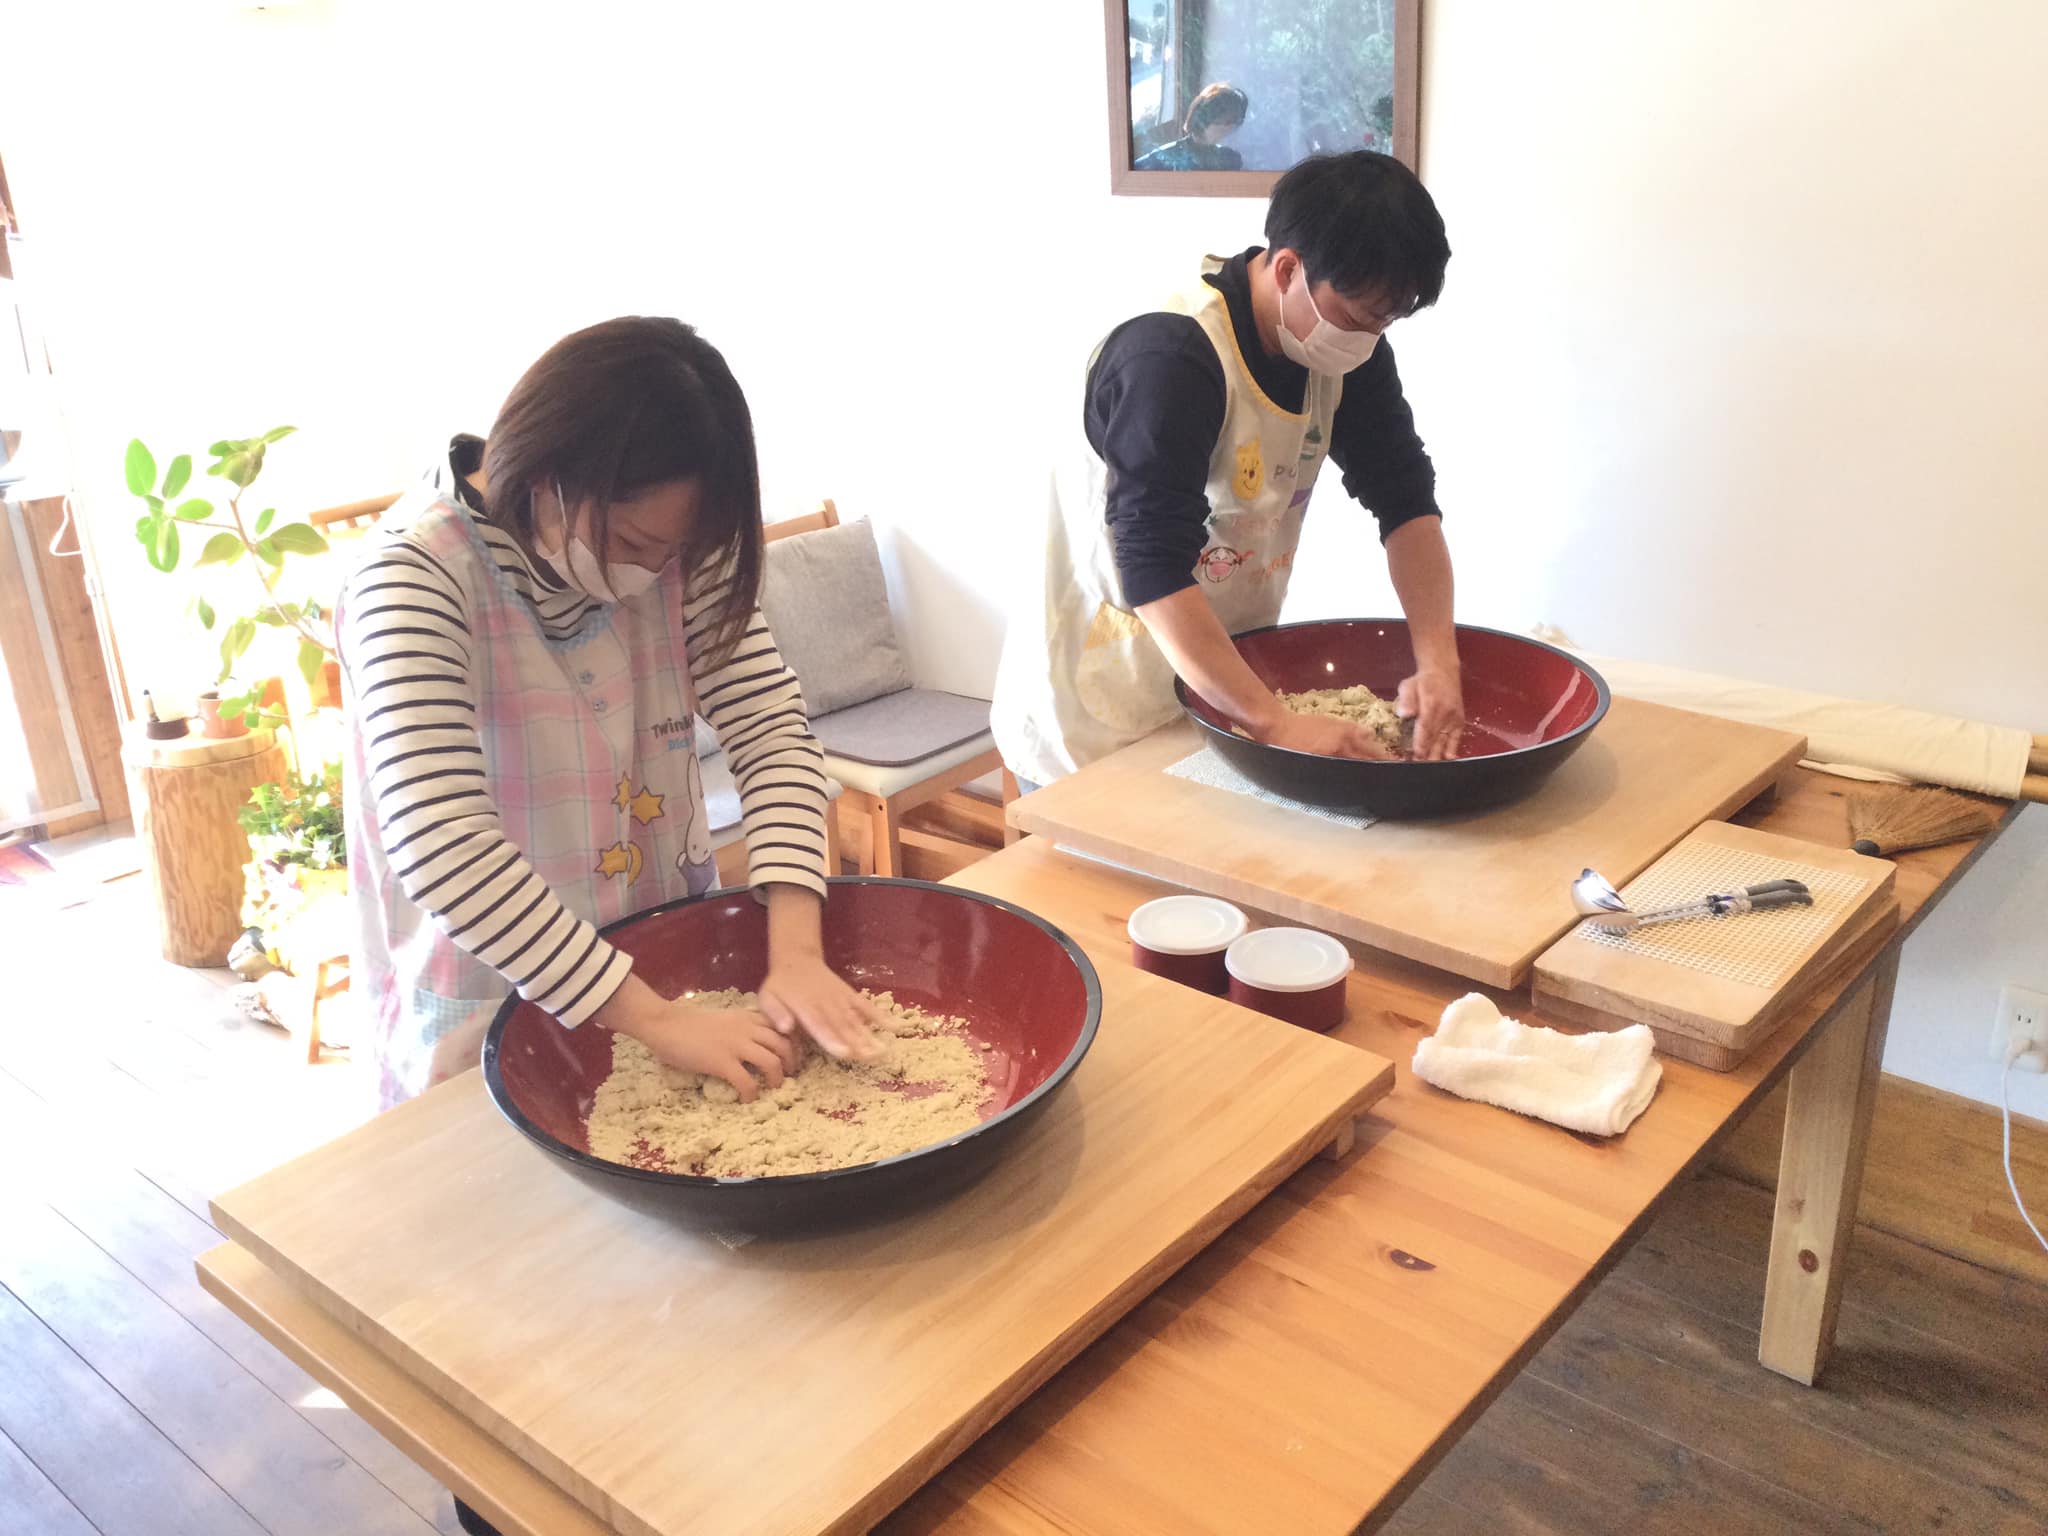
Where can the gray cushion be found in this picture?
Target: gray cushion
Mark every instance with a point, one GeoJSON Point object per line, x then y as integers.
{"type": "Point", "coordinates": [901, 728]}
{"type": "Point", "coordinates": [828, 608]}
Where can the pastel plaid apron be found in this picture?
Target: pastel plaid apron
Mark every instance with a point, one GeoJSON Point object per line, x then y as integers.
{"type": "Point", "coordinates": [590, 758]}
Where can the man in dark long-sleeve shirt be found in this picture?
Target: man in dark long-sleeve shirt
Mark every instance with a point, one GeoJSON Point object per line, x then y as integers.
{"type": "Point", "coordinates": [1205, 427]}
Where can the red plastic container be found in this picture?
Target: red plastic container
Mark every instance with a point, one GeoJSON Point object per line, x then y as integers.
{"type": "Point", "coordinates": [1183, 938]}
{"type": "Point", "coordinates": [1296, 974]}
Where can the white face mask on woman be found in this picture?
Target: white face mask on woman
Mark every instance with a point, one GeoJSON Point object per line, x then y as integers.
{"type": "Point", "coordinates": [1327, 349]}
{"type": "Point", "coordinates": [608, 583]}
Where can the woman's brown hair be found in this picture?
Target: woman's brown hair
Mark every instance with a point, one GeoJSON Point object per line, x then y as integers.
{"type": "Point", "coordinates": [617, 409]}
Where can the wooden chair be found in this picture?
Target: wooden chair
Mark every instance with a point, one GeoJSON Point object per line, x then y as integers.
{"type": "Point", "coordinates": [883, 796]}
{"type": "Point", "coordinates": [827, 516]}
{"type": "Point", "coordinates": [352, 515]}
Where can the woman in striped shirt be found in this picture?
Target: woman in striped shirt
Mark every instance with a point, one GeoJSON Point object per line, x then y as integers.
{"type": "Point", "coordinates": [526, 650]}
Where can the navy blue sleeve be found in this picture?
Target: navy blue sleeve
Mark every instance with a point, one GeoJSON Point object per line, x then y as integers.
{"type": "Point", "coordinates": [1373, 441]}
{"type": "Point", "coordinates": [1154, 412]}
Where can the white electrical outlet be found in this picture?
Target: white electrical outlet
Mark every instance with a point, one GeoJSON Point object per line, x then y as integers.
{"type": "Point", "coordinates": [2023, 1020]}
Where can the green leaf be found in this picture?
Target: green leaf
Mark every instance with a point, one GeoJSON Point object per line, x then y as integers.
{"type": "Point", "coordinates": [156, 503]}
{"type": "Point", "coordinates": [141, 468]}
{"type": "Point", "coordinates": [314, 610]}
{"type": "Point", "coordinates": [311, 659]}
{"type": "Point", "coordinates": [279, 615]}
{"type": "Point", "coordinates": [239, 466]}
{"type": "Point", "coordinates": [275, 433]}
{"type": "Point", "coordinates": [223, 448]}
{"type": "Point", "coordinates": [176, 476]}
{"type": "Point", "coordinates": [299, 539]}
{"type": "Point", "coordinates": [221, 549]}
{"type": "Point", "coordinates": [167, 544]}
{"type": "Point", "coordinates": [263, 520]}
{"type": "Point", "coordinates": [233, 643]}
{"type": "Point", "coordinates": [145, 530]}
{"type": "Point", "coordinates": [268, 551]}
{"type": "Point", "coordinates": [192, 511]}
{"type": "Point", "coordinates": [205, 611]}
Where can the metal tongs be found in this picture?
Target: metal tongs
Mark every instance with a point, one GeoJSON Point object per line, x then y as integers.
{"type": "Point", "coordinates": [1597, 900]}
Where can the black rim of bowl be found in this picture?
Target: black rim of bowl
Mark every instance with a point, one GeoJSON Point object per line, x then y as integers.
{"type": "Point", "coordinates": [494, 1078]}
{"type": "Point", "coordinates": [1602, 697]}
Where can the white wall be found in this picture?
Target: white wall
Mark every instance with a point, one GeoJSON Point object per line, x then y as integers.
{"type": "Point", "coordinates": [367, 216]}
{"type": "Point", "coordinates": [1739, 363]}
{"type": "Point", "coordinates": [1741, 366]}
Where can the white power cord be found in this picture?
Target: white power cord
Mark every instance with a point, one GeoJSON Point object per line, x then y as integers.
{"type": "Point", "coordinates": [2005, 1100]}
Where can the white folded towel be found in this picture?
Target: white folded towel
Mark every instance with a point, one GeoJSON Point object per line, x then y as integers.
{"type": "Point", "coordinates": [1595, 1082]}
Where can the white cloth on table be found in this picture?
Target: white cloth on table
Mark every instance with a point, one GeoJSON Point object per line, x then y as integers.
{"type": "Point", "coordinates": [1597, 1083]}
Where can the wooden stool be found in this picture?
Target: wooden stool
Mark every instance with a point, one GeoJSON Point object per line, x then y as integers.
{"type": "Point", "coordinates": [187, 795]}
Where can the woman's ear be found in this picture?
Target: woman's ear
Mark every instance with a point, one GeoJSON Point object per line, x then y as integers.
{"type": "Point", "coordinates": [549, 524]}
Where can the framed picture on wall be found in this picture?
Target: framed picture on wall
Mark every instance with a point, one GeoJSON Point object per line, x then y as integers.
{"type": "Point", "coordinates": [1215, 98]}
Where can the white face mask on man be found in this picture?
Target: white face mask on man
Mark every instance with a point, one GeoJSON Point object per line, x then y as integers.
{"type": "Point", "coordinates": [612, 582]}
{"type": "Point", "coordinates": [1327, 349]}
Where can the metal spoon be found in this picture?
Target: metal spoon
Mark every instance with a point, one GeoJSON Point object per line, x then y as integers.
{"type": "Point", "coordinates": [1594, 897]}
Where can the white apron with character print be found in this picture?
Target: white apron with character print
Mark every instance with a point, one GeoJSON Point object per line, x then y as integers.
{"type": "Point", "coordinates": [590, 759]}
{"type": "Point", "coordinates": [1080, 676]}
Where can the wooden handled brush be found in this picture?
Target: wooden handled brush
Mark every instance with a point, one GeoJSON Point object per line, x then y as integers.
{"type": "Point", "coordinates": [1888, 821]}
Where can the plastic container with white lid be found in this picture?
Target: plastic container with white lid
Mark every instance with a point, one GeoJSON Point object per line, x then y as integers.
{"type": "Point", "coordinates": [1296, 974]}
{"type": "Point", "coordinates": [1183, 938]}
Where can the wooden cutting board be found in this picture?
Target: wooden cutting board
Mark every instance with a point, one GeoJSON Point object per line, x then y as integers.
{"type": "Point", "coordinates": [672, 1385]}
{"type": "Point", "coordinates": [1713, 989]}
{"type": "Point", "coordinates": [1480, 895]}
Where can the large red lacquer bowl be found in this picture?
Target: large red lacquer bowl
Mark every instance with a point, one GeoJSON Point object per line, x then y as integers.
{"type": "Point", "coordinates": [1529, 707]}
{"type": "Point", "coordinates": [1022, 987]}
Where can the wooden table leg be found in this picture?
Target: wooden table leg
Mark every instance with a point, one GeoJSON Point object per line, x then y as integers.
{"type": "Point", "coordinates": [1820, 1175]}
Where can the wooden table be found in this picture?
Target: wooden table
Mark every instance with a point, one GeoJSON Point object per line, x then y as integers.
{"type": "Point", "coordinates": [1307, 1369]}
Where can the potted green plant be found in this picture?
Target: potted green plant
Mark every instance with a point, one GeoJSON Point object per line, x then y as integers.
{"type": "Point", "coordinates": [298, 857]}
{"type": "Point", "coordinates": [170, 518]}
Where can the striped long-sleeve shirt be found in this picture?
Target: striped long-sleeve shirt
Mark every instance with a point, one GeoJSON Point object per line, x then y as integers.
{"type": "Point", "coordinates": [408, 644]}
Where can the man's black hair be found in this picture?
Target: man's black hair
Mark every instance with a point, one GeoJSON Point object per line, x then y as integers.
{"type": "Point", "coordinates": [1362, 222]}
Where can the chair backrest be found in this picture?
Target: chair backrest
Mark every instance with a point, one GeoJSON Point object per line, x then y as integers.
{"type": "Point", "coordinates": [356, 514]}
{"type": "Point", "coordinates": [827, 516]}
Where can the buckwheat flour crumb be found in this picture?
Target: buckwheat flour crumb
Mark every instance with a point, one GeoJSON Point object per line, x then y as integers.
{"type": "Point", "coordinates": [1359, 705]}
{"type": "Point", "coordinates": [929, 1083]}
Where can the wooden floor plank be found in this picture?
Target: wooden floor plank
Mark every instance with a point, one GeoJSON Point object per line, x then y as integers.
{"type": "Point", "coordinates": [1935, 1173]}
{"type": "Point", "coordinates": [32, 1505]}
{"type": "Point", "coordinates": [1878, 1350]}
{"type": "Point", "coordinates": [1662, 1483]}
{"type": "Point", "coordinates": [1981, 1311]}
{"type": "Point", "coordinates": [156, 1240]}
{"type": "Point", "coordinates": [1689, 1375]}
{"type": "Point", "coordinates": [288, 1476]}
{"type": "Point", "coordinates": [1425, 1514]}
{"type": "Point", "coordinates": [124, 1476]}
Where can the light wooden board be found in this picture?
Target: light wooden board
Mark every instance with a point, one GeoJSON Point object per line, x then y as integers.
{"type": "Point", "coordinates": [1856, 946]}
{"type": "Point", "coordinates": [1478, 895]}
{"type": "Point", "coordinates": [478, 1470]}
{"type": "Point", "coordinates": [670, 1384]}
{"type": "Point", "coordinates": [1697, 1014]}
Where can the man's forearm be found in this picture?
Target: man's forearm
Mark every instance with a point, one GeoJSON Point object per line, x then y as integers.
{"type": "Point", "coordinates": [1200, 650]}
{"type": "Point", "coordinates": [1419, 561]}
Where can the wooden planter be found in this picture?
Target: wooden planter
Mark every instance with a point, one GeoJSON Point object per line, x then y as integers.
{"type": "Point", "coordinates": [187, 795]}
